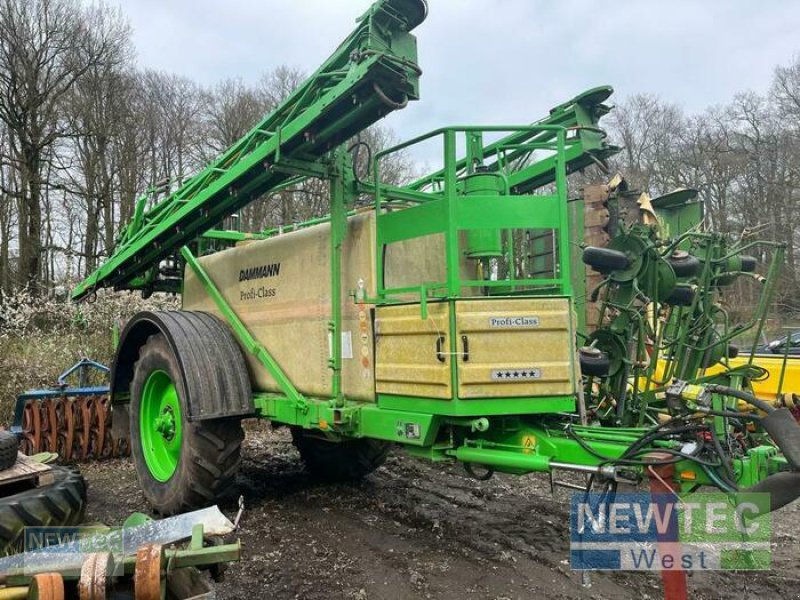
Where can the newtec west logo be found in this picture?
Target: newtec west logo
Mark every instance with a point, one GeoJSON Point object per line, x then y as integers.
{"type": "Point", "coordinates": [640, 532]}
{"type": "Point", "coordinates": [260, 272]}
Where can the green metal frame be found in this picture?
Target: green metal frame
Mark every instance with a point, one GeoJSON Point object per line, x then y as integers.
{"type": "Point", "coordinates": [444, 212]}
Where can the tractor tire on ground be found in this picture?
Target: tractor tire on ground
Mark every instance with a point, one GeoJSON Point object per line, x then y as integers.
{"type": "Point", "coordinates": [9, 446]}
{"type": "Point", "coordinates": [59, 504]}
{"type": "Point", "coordinates": [348, 460]}
{"type": "Point", "coordinates": [186, 464]}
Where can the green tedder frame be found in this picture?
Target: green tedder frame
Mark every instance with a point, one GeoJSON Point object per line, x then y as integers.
{"type": "Point", "coordinates": [515, 178]}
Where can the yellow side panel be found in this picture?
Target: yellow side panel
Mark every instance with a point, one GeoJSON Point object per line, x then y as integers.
{"type": "Point", "coordinates": [406, 351]}
{"type": "Point", "coordinates": [515, 347]}
{"type": "Point", "coordinates": [767, 389]}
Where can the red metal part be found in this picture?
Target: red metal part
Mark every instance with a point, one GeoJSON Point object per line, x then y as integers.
{"type": "Point", "coordinates": [96, 575]}
{"type": "Point", "coordinates": [66, 429]}
{"type": "Point", "coordinates": [31, 428]}
{"type": "Point", "coordinates": [148, 584]}
{"type": "Point", "coordinates": [47, 586]}
{"type": "Point", "coordinates": [77, 428]}
{"type": "Point", "coordinates": [674, 580]}
{"type": "Point", "coordinates": [103, 425]}
{"type": "Point", "coordinates": [49, 425]}
{"type": "Point", "coordinates": [86, 404]}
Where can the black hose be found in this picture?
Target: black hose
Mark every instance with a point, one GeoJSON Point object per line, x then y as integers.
{"type": "Point", "coordinates": [659, 433]}
{"type": "Point", "coordinates": [732, 415]}
{"type": "Point", "coordinates": [393, 104]}
{"type": "Point", "coordinates": [741, 395]}
{"type": "Point", "coordinates": [628, 457]}
{"type": "Point", "coordinates": [726, 464]}
{"type": "Point", "coordinates": [353, 149]}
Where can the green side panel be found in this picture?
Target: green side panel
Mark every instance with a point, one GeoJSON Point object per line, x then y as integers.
{"type": "Point", "coordinates": [680, 219]}
{"type": "Point", "coordinates": [479, 407]}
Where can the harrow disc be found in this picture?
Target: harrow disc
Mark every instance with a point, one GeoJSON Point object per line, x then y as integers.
{"type": "Point", "coordinates": [76, 427]}
{"type": "Point", "coordinates": [96, 576]}
{"type": "Point", "coordinates": [47, 586]}
{"type": "Point", "coordinates": [148, 583]}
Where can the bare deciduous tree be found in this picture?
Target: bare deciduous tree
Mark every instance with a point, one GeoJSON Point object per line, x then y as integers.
{"type": "Point", "coordinates": [46, 46]}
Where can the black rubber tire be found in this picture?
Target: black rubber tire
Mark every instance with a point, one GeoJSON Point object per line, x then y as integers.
{"type": "Point", "coordinates": [684, 265]}
{"type": "Point", "coordinates": [210, 450]}
{"type": "Point", "coordinates": [682, 295]}
{"type": "Point", "coordinates": [605, 260]}
{"type": "Point", "coordinates": [349, 460]}
{"type": "Point", "coordinates": [595, 363]}
{"type": "Point", "coordinates": [9, 447]}
{"type": "Point", "coordinates": [60, 504]}
{"type": "Point", "coordinates": [749, 263]}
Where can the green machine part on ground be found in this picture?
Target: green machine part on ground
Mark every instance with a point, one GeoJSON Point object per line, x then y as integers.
{"type": "Point", "coordinates": [451, 345]}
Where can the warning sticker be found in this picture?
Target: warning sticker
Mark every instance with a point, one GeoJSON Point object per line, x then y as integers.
{"type": "Point", "coordinates": [347, 344]}
{"type": "Point", "coordinates": [528, 443]}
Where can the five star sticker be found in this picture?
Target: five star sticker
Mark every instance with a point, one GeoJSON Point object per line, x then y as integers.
{"type": "Point", "coordinates": [512, 374]}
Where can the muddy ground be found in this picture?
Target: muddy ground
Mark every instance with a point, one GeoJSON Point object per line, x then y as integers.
{"type": "Point", "coordinates": [416, 530]}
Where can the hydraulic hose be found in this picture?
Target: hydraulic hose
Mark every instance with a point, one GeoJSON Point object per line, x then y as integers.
{"type": "Point", "coordinates": [783, 487]}
{"type": "Point", "coordinates": [779, 423]}
{"type": "Point", "coordinates": [741, 395]}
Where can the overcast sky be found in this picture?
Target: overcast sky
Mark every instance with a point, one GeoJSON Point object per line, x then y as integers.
{"type": "Point", "coordinates": [491, 61]}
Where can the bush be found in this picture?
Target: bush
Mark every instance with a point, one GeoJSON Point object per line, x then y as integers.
{"type": "Point", "coordinates": [40, 337]}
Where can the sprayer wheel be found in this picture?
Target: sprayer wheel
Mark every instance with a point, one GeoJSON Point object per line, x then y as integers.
{"type": "Point", "coordinates": [181, 464]}
{"type": "Point", "coordinates": [9, 446]}
{"type": "Point", "coordinates": [347, 460]}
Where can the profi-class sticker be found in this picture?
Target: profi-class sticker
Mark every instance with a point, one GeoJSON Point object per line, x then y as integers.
{"type": "Point", "coordinates": [516, 322]}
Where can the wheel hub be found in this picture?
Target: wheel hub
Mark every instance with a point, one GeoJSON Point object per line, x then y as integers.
{"type": "Point", "coordinates": [165, 423]}
{"type": "Point", "coordinates": [160, 425]}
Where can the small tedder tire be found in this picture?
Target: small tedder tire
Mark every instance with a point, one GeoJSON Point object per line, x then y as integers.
{"type": "Point", "coordinates": [9, 446]}
{"type": "Point", "coordinates": [60, 504]}
{"type": "Point", "coordinates": [185, 464]}
{"type": "Point", "coordinates": [348, 460]}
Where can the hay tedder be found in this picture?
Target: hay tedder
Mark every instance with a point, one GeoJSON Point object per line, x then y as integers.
{"type": "Point", "coordinates": [453, 315]}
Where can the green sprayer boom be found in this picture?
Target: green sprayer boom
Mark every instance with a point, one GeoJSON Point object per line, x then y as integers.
{"type": "Point", "coordinates": [515, 153]}
{"type": "Point", "coordinates": [372, 73]}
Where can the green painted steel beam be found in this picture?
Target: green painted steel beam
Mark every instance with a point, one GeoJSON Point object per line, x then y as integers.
{"type": "Point", "coordinates": [580, 116]}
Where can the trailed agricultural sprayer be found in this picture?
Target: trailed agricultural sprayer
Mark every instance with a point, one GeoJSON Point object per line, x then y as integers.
{"type": "Point", "coordinates": [453, 315]}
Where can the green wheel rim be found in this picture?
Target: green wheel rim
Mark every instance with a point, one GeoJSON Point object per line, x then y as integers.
{"type": "Point", "coordinates": [160, 425]}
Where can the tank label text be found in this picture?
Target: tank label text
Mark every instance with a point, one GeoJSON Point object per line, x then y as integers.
{"type": "Point", "coordinates": [260, 272]}
{"type": "Point", "coordinates": [257, 293]}
{"type": "Point", "coordinates": [513, 322]}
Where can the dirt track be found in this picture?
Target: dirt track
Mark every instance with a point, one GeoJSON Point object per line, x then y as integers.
{"type": "Point", "coordinates": [417, 530]}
